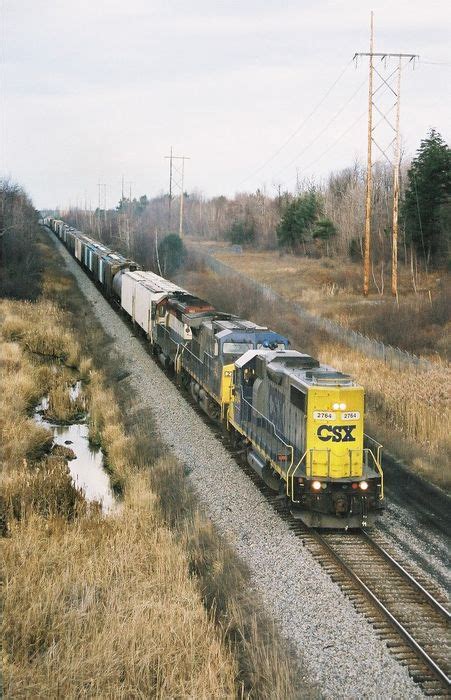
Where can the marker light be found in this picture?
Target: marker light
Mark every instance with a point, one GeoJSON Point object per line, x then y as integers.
{"type": "Point", "coordinates": [336, 406]}
{"type": "Point", "coordinates": [363, 485]}
{"type": "Point", "coordinates": [316, 485]}
{"type": "Point", "coordinates": [342, 407]}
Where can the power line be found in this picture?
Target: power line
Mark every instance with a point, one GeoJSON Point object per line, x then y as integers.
{"type": "Point", "coordinates": [435, 63]}
{"type": "Point", "coordinates": [323, 130]}
{"type": "Point", "coordinates": [334, 143]}
{"type": "Point", "coordinates": [298, 128]}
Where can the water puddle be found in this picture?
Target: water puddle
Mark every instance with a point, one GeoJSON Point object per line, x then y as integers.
{"type": "Point", "coordinates": [86, 467]}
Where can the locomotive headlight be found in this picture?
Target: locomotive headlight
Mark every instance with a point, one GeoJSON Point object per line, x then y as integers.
{"type": "Point", "coordinates": [316, 485]}
{"type": "Point", "coordinates": [363, 485]}
{"type": "Point", "coordinates": [342, 407]}
{"type": "Point", "coordinates": [336, 406]}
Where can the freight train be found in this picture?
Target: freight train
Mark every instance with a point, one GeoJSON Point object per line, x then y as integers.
{"type": "Point", "coordinates": [298, 423]}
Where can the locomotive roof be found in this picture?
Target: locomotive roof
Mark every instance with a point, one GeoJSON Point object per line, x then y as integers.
{"type": "Point", "coordinates": [187, 303]}
{"type": "Point", "coordinates": [205, 317]}
{"type": "Point", "coordinates": [154, 282]}
{"type": "Point", "coordinates": [299, 367]}
{"type": "Point", "coordinates": [235, 323]}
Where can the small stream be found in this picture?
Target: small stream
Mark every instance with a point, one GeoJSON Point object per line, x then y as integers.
{"type": "Point", "coordinates": [87, 468]}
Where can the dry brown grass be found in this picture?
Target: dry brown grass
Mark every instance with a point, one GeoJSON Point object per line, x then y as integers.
{"type": "Point", "coordinates": [41, 329]}
{"type": "Point", "coordinates": [106, 430]}
{"type": "Point", "coordinates": [20, 389]}
{"type": "Point", "coordinates": [44, 488]}
{"type": "Point", "coordinates": [62, 407]}
{"type": "Point", "coordinates": [94, 605]}
{"type": "Point", "coordinates": [332, 287]}
{"type": "Point", "coordinates": [123, 605]}
{"type": "Point", "coordinates": [119, 616]}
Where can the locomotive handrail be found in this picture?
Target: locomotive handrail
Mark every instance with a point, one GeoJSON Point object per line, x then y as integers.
{"type": "Point", "coordinates": [292, 475]}
{"type": "Point", "coordinates": [377, 459]}
{"type": "Point", "coordinates": [289, 447]}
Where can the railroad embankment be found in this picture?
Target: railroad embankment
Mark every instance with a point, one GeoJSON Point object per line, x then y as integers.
{"type": "Point", "coordinates": [144, 599]}
{"type": "Point", "coordinates": [407, 411]}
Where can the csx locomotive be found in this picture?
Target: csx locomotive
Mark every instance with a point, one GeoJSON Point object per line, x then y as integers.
{"type": "Point", "coordinates": [299, 423]}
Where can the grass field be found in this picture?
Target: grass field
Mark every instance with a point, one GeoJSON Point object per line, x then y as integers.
{"type": "Point", "coordinates": [145, 602]}
{"type": "Point", "coordinates": [418, 322]}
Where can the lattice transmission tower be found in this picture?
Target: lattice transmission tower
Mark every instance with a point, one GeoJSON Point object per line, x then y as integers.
{"type": "Point", "coordinates": [389, 116]}
{"type": "Point", "coordinates": [176, 180]}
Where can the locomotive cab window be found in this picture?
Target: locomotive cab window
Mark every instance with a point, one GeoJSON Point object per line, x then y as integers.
{"type": "Point", "coordinates": [236, 348]}
{"type": "Point", "coordinates": [298, 398]}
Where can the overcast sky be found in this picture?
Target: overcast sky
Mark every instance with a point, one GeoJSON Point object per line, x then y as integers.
{"type": "Point", "coordinates": [95, 89]}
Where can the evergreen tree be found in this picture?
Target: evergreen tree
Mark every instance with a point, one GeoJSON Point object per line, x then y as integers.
{"type": "Point", "coordinates": [242, 232]}
{"type": "Point", "coordinates": [324, 230]}
{"type": "Point", "coordinates": [298, 219]}
{"type": "Point", "coordinates": [171, 253]}
{"type": "Point", "coordinates": [427, 200]}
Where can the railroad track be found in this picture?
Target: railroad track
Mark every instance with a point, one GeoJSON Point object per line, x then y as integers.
{"type": "Point", "coordinates": [411, 620]}
{"type": "Point", "coordinates": [414, 624]}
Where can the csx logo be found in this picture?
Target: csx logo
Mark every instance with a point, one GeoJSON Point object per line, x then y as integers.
{"type": "Point", "coordinates": [336, 433]}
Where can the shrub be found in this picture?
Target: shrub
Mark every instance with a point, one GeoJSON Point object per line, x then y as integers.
{"type": "Point", "coordinates": [172, 254]}
{"type": "Point", "coordinates": [241, 232]}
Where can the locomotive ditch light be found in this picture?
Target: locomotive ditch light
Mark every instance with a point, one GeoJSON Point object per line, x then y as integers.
{"type": "Point", "coordinates": [316, 485]}
{"type": "Point", "coordinates": [363, 485]}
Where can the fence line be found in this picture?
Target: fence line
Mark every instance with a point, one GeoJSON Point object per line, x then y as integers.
{"type": "Point", "coordinates": [392, 356]}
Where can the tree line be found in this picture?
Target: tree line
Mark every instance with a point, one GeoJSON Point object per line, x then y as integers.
{"type": "Point", "coordinates": [20, 256]}
{"type": "Point", "coordinates": [319, 219]}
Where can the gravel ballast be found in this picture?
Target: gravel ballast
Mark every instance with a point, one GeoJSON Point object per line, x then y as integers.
{"type": "Point", "coordinates": [338, 648]}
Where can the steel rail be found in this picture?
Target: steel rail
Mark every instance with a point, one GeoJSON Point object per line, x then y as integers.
{"type": "Point", "coordinates": [435, 668]}
{"type": "Point", "coordinates": [430, 598]}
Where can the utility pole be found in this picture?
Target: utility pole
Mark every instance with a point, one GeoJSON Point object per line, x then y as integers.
{"type": "Point", "coordinates": [393, 83]}
{"type": "Point", "coordinates": [170, 190]}
{"type": "Point", "coordinates": [99, 185]}
{"type": "Point", "coordinates": [369, 171]}
{"type": "Point", "coordinates": [181, 173]}
{"type": "Point", "coordinates": [104, 202]}
{"type": "Point", "coordinates": [181, 200]}
{"type": "Point", "coordinates": [396, 164]}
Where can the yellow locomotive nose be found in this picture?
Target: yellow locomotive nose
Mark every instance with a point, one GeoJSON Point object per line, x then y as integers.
{"type": "Point", "coordinates": [335, 432]}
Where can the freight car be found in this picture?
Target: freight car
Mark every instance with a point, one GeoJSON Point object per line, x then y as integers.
{"type": "Point", "coordinates": [299, 424]}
